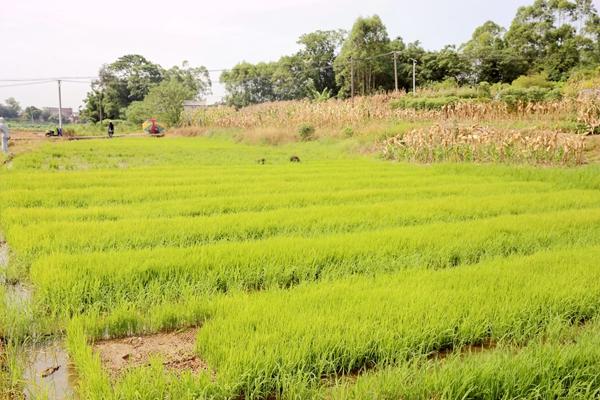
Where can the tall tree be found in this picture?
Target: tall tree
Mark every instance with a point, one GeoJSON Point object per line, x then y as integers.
{"type": "Point", "coordinates": [318, 53]}
{"type": "Point", "coordinates": [164, 102]}
{"type": "Point", "coordinates": [196, 79]}
{"type": "Point", "coordinates": [11, 108]}
{"type": "Point", "coordinates": [555, 35]}
{"type": "Point", "coordinates": [130, 79]}
{"type": "Point", "coordinates": [363, 50]}
{"type": "Point", "coordinates": [447, 63]}
{"type": "Point", "coordinates": [490, 58]}
{"type": "Point", "coordinates": [127, 79]}
{"type": "Point", "coordinates": [290, 79]}
{"type": "Point", "coordinates": [249, 84]}
{"type": "Point", "coordinates": [32, 114]}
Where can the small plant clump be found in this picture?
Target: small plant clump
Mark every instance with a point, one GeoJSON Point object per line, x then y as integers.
{"type": "Point", "coordinates": [306, 132]}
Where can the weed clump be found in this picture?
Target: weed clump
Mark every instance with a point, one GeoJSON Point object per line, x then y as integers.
{"type": "Point", "coordinates": [306, 132]}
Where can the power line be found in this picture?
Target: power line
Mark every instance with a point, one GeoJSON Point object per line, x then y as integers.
{"type": "Point", "coordinates": [89, 79]}
{"type": "Point", "coordinates": [61, 78]}
{"type": "Point", "coordinates": [39, 82]}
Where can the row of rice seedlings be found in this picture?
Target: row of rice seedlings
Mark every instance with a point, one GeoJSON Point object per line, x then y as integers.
{"type": "Point", "coordinates": [168, 152]}
{"type": "Point", "coordinates": [41, 181]}
{"type": "Point", "coordinates": [82, 182]}
{"type": "Point", "coordinates": [479, 144]}
{"type": "Point", "coordinates": [35, 239]}
{"type": "Point", "coordinates": [194, 207]}
{"type": "Point", "coordinates": [558, 361]}
{"type": "Point", "coordinates": [68, 284]}
{"type": "Point", "coordinates": [133, 194]}
{"type": "Point", "coordinates": [562, 364]}
{"type": "Point", "coordinates": [258, 342]}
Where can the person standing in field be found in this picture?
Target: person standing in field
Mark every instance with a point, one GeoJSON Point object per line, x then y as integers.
{"type": "Point", "coordinates": [111, 129]}
{"type": "Point", "coordinates": [5, 135]}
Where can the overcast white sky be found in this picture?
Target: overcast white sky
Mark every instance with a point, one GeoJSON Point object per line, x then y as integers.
{"type": "Point", "coordinates": [41, 38]}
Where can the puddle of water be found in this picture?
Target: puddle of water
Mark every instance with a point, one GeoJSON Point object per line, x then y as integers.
{"type": "Point", "coordinates": [19, 296]}
{"type": "Point", "coordinates": [48, 373]}
{"type": "Point", "coordinates": [59, 383]}
{"type": "Point", "coordinates": [3, 260]}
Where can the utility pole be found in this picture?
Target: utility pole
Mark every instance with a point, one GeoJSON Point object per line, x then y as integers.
{"type": "Point", "coordinates": [352, 78]}
{"type": "Point", "coordinates": [414, 75]}
{"type": "Point", "coordinates": [59, 107]}
{"type": "Point", "coordinates": [396, 70]}
{"type": "Point", "coordinates": [100, 105]}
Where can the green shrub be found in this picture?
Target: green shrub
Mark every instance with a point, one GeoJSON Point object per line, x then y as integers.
{"type": "Point", "coordinates": [513, 95]}
{"type": "Point", "coordinates": [306, 132]}
{"type": "Point", "coordinates": [534, 81]}
{"type": "Point", "coordinates": [424, 103]}
{"type": "Point", "coordinates": [348, 132]}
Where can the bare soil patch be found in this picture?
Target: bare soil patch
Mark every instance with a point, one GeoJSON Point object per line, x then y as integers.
{"type": "Point", "coordinates": [176, 349]}
{"type": "Point", "coordinates": [469, 349]}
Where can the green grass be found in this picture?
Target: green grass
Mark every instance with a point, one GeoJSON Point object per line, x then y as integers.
{"type": "Point", "coordinates": [89, 129]}
{"type": "Point", "coordinates": [564, 364]}
{"type": "Point", "coordinates": [349, 325]}
{"type": "Point", "coordinates": [304, 274]}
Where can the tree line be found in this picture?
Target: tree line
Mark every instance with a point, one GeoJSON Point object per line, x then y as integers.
{"type": "Point", "coordinates": [553, 37]}
{"type": "Point", "coordinates": [134, 88]}
{"type": "Point", "coordinates": [11, 109]}
{"type": "Point", "coordinates": [550, 36]}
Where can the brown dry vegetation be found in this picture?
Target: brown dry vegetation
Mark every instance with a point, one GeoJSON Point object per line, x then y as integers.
{"type": "Point", "coordinates": [481, 131]}
{"type": "Point", "coordinates": [364, 110]}
{"type": "Point", "coordinates": [481, 144]}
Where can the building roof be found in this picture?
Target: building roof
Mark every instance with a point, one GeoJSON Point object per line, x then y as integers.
{"type": "Point", "coordinates": [194, 103]}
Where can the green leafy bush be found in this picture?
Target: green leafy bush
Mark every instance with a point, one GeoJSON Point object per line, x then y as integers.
{"type": "Point", "coordinates": [534, 81]}
{"type": "Point", "coordinates": [514, 95]}
{"type": "Point", "coordinates": [306, 132]}
{"type": "Point", "coordinates": [348, 132]}
{"type": "Point", "coordinates": [424, 103]}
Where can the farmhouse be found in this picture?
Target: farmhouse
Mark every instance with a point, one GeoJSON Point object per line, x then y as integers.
{"type": "Point", "coordinates": [193, 105]}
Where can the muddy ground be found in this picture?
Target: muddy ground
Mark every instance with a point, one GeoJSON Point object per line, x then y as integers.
{"type": "Point", "coordinates": [177, 350]}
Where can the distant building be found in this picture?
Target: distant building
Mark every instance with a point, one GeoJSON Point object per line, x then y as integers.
{"type": "Point", "coordinates": [192, 105]}
{"type": "Point", "coordinates": [67, 113]}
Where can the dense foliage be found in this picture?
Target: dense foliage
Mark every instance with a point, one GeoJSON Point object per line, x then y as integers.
{"type": "Point", "coordinates": [131, 78]}
{"type": "Point", "coordinates": [550, 36]}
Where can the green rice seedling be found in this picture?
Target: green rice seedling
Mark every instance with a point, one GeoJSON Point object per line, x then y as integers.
{"type": "Point", "coordinates": [255, 341]}
{"type": "Point", "coordinates": [562, 367]}
{"type": "Point", "coordinates": [32, 240]}
{"type": "Point", "coordinates": [68, 284]}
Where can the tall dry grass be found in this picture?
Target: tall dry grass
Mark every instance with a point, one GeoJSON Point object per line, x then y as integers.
{"type": "Point", "coordinates": [482, 144]}
{"type": "Point", "coordinates": [362, 111]}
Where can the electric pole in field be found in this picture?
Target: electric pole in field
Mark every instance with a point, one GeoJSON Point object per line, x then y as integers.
{"type": "Point", "coordinates": [414, 75]}
{"type": "Point", "coordinates": [59, 107]}
{"type": "Point", "coordinates": [100, 105]}
{"type": "Point", "coordinates": [396, 70]}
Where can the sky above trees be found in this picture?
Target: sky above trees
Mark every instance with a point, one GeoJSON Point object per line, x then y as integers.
{"type": "Point", "coordinates": [74, 38]}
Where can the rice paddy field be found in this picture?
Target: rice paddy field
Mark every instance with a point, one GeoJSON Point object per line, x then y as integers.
{"type": "Point", "coordinates": [344, 276]}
